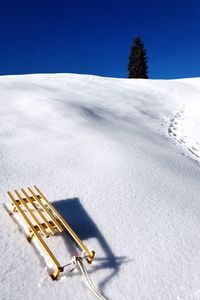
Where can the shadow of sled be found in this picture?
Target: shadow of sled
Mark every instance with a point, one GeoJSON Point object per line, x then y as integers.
{"type": "Point", "coordinates": [74, 213]}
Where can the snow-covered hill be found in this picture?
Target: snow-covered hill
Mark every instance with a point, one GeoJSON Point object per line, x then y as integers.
{"type": "Point", "coordinates": [119, 158]}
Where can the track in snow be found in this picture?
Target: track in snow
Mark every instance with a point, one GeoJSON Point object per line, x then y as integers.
{"type": "Point", "coordinates": [180, 131]}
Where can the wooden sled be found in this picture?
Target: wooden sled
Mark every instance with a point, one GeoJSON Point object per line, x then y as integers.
{"type": "Point", "coordinates": [33, 206]}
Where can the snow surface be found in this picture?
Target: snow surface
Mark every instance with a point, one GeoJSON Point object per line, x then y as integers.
{"type": "Point", "coordinates": [119, 158]}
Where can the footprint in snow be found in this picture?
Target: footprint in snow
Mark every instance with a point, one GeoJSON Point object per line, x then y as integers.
{"type": "Point", "coordinates": [193, 148]}
{"type": "Point", "coordinates": [182, 141]}
{"type": "Point", "coordinates": [169, 130]}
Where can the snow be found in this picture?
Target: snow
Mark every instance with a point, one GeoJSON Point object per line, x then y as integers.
{"type": "Point", "coordinates": [119, 158]}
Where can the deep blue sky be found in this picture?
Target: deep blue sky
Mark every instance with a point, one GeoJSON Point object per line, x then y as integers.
{"type": "Point", "coordinates": [94, 37]}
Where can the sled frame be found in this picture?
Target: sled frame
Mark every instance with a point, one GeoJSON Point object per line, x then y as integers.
{"type": "Point", "coordinates": [44, 220]}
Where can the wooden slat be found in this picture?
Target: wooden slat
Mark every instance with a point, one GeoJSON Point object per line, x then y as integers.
{"type": "Point", "coordinates": [44, 245]}
{"type": "Point", "coordinates": [46, 210]}
{"type": "Point", "coordinates": [29, 199]}
{"type": "Point", "coordinates": [65, 224]}
{"type": "Point", "coordinates": [45, 226]}
{"type": "Point", "coordinates": [32, 214]}
{"type": "Point", "coordinates": [26, 199]}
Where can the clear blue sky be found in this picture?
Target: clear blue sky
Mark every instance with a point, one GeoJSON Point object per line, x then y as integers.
{"type": "Point", "coordinates": [94, 37]}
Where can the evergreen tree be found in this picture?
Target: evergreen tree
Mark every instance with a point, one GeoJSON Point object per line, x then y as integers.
{"type": "Point", "coordinates": [137, 67]}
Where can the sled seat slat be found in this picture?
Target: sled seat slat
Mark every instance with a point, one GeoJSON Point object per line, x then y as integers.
{"type": "Point", "coordinates": [31, 213]}
{"type": "Point", "coordinates": [46, 223]}
{"type": "Point", "coordinates": [50, 223]}
{"type": "Point", "coordinates": [26, 199]}
{"type": "Point", "coordinates": [48, 212]}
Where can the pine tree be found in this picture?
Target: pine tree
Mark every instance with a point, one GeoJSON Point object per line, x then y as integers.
{"type": "Point", "coordinates": [137, 67]}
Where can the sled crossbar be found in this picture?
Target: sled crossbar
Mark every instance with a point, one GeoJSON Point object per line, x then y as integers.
{"type": "Point", "coordinates": [43, 220]}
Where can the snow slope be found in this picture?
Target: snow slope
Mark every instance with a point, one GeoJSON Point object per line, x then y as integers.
{"type": "Point", "coordinates": [119, 158]}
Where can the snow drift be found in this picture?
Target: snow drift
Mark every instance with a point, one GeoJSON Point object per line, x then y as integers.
{"type": "Point", "coordinates": [119, 158]}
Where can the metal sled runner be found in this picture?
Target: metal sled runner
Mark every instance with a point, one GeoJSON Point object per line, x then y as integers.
{"type": "Point", "coordinates": [43, 220]}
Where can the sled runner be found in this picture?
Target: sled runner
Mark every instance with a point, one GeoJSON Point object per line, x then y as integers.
{"type": "Point", "coordinates": [44, 220]}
